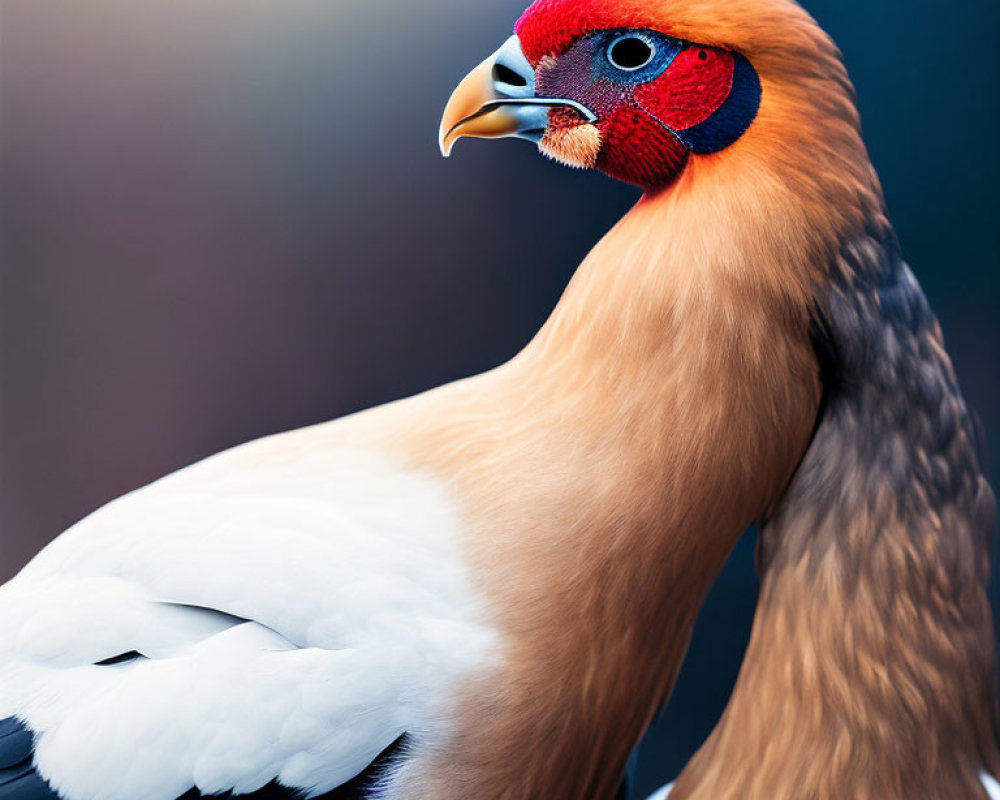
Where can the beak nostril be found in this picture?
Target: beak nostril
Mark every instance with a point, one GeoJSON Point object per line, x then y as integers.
{"type": "Point", "coordinates": [504, 74]}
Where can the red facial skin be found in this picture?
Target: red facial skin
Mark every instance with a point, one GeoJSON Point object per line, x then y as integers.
{"type": "Point", "coordinates": [690, 90]}
{"type": "Point", "coordinates": [639, 150]}
{"type": "Point", "coordinates": [641, 125]}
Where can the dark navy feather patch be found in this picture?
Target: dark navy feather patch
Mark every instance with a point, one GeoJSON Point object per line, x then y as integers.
{"type": "Point", "coordinates": [733, 117]}
{"type": "Point", "coordinates": [18, 779]}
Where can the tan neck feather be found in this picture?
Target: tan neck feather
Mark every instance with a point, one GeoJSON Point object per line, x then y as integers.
{"type": "Point", "coordinates": [606, 472]}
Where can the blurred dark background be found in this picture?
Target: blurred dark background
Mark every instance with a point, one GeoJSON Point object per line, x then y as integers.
{"type": "Point", "coordinates": [225, 218]}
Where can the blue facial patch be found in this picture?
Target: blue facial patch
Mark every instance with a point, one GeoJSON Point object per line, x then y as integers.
{"type": "Point", "coordinates": [633, 56]}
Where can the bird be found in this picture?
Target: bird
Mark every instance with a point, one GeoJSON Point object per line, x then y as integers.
{"type": "Point", "coordinates": [485, 590]}
{"type": "Point", "coordinates": [481, 591]}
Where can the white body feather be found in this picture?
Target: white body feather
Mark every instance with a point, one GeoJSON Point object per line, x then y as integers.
{"type": "Point", "coordinates": [352, 622]}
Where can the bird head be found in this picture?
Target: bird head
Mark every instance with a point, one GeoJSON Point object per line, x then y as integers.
{"type": "Point", "coordinates": [634, 88]}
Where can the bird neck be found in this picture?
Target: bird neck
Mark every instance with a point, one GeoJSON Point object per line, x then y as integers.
{"type": "Point", "coordinates": [607, 471]}
{"type": "Point", "coordinates": [605, 475]}
{"type": "Point", "coordinates": [870, 671]}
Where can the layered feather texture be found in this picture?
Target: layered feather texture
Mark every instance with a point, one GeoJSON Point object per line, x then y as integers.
{"type": "Point", "coordinates": [284, 619]}
{"type": "Point", "coordinates": [287, 610]}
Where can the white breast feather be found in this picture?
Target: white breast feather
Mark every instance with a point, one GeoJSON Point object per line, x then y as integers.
{"type": "Point", "coordinates": [360, 622]}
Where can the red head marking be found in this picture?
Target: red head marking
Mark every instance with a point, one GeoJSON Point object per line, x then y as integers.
{"type": "Point", "coordinates": [691, 90]}
{"type": "Point", "coordinates": [549, 27]}
{"type": "Point", "coordinates": [651, 115]}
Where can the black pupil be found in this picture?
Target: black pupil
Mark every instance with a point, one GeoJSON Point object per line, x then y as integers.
{"type": "Point", "coordinates": [631, 53]}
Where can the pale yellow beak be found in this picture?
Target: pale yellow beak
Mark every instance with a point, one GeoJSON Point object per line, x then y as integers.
{"type": "Point", "coordinates": [497, 99]}
{"type": "Point", "coordinates": [469, 112]}
{"type": "Point", "coordinates": [465, 116]}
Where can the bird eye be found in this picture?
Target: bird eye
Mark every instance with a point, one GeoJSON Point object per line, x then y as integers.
{"type": "Point", "coordinates": [631, 52]}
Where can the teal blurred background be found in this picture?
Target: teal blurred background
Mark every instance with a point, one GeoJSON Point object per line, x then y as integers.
{"type": "Point", "coordinates": [225, 218]}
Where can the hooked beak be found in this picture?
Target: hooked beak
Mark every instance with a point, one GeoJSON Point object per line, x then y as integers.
{"type": "Point", "coordinates": [497, 99]}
